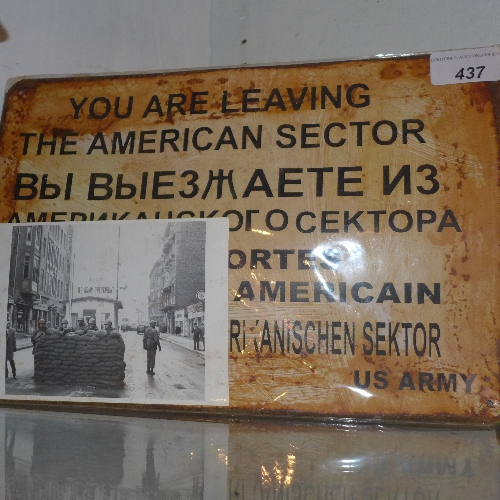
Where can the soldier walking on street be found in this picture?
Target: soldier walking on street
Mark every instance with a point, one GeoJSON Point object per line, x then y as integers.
{"type": "Point", "coordinates": [150, 342]}
{"type": "Point", "coordinates": [10, 350]}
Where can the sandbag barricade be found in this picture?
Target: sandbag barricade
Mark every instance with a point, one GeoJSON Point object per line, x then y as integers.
{"type": "Point", "coordinates": [92, 359]}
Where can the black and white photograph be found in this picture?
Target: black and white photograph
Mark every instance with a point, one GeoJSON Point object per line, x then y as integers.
{"type": "Point", "coordinates": [134, 311]}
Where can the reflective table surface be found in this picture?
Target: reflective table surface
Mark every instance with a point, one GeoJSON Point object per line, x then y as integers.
{"type": "Point", "coordinates": [51, 456]}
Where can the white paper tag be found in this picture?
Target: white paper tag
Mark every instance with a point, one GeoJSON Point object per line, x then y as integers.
{"type": "Point", "coordinates": [465, 66]}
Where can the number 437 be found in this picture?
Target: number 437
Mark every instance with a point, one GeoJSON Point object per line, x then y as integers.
{"type": "Point", "coordinates": [470, 73]}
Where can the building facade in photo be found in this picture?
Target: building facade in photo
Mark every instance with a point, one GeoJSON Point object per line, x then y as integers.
{"type": "Point", "coordinates": [95, 285]}
{"type": "Point", "coordinates": [177, 279]}
{"type": "Point", "coordinates": [99, 308]}
{"type": "Point", "coordinates": [40, 275]}
{"type": "Point", "coordinates": [155, 300]}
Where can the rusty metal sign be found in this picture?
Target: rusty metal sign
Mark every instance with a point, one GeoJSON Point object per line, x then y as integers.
{"type": "Point", "coordinates": [363, 208]}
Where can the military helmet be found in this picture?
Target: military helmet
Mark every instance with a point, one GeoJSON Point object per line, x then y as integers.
{"type": "Point", "coordinates": [152, 323]}
{"type": "Point", "coordinates": [81, 319]}
{"type": "Point", "coordinates": [108, 322]}
{"type": "Point", "coordinates": [41, 320]}
{"type": "Point", "coordinates": [64, 321]}
{"type": "Point", "coordinates": [92, 320]}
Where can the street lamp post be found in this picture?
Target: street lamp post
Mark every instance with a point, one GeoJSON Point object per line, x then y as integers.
{"type": "Point", "coordinates": [140, 316]}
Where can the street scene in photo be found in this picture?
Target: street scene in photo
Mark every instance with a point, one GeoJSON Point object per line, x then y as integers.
{"type": "Point", "coordinates": [116, 310]}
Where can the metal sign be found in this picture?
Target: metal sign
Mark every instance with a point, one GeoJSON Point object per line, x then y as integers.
{"type": "Point", "coordinates": [363, 208]}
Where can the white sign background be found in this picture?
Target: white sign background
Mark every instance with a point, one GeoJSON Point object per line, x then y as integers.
{"type": "Point", "coordinates": [465, 66]}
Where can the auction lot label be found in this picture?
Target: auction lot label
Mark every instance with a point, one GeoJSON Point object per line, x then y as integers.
{"type": "Point", "coordinates": [363, 209]}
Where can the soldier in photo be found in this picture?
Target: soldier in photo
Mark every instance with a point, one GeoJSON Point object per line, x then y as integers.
{"type": "Point", "coordinates": [10, 349]}
{"type": "Point", "coordinates": [65, 328]}
{"type": "Point", "coordinates": [92, 324]}
{"type": "Point", "coordinates": [81, 327]}
{"type": "Point", "coordinates": [196, 337]}
{"type": "Point", "coordinates": [202, 336]}
{"type": "Point", "coordinates": [108, 326]}
{"type": "Point", "coordinates": [150, 342]}
{"type": "Point", "coordinates": [42, 328]}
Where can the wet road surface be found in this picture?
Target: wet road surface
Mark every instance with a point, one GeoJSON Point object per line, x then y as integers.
{"type": "Point", "coordinates": [179, 375]}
